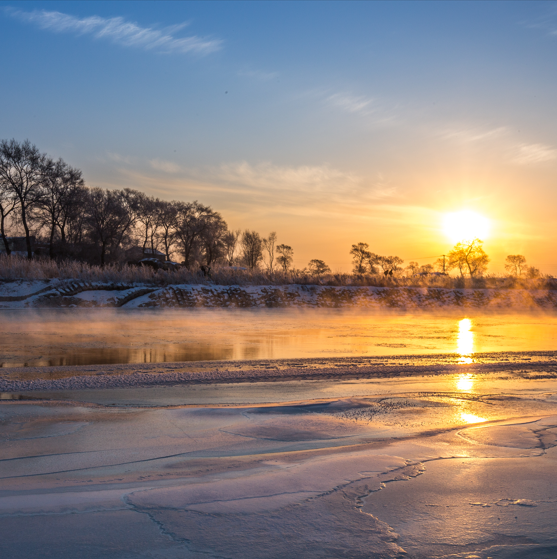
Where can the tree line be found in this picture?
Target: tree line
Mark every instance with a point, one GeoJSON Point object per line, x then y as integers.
{"type": "Point", "coordinates": [468, 257]}
{"type": "Point", "coordinates": [48, 199]}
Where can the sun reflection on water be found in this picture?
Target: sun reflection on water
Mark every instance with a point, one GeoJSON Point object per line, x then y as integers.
{"type": "Point", "coordinates": [465, 382]}
{"type": "Point", "coordinates": [465, 340]}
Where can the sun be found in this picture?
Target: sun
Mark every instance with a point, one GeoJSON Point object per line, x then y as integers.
{"type": "Point", "coordinates": [466, 225]}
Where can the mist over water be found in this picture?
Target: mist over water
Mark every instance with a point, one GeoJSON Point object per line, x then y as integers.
{"type": "Point", "coordinates": [87, 337]}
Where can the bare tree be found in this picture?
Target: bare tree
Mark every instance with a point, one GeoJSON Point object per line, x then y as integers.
{"type": "Point", "coordinates": [193, 221]}
{"type": "Point", "coordinates": [213, 239]}
{"type": "Point", "coordinates": [146, 221]}
{"type": "Point", "coordinates": [167, 224]}
{"type": "Point", "coordinates": [532, 272]}
{"type": "Point", "coordinates": [73, 219]}
{"type": "Point", "coordinates": [441, 265]}
{"type": "Point", "coordinates": [413, 267]}
{"type": "Point", "coordinates": [318, 267]}
{"type": "Point", "coordinates": [269, 247]}
{"type": "Point", "coordinates": [62, 187]}
{"type": "Point", "coordinates": [285, 257]}
{"type": "Point", "coordinates": [109, 219]}
{"type": "Point", "coordinates": [22, 172]}
{"type": "Point", "coordinates": [8, 203]}
{"type": "Point", "coordinates": [130, 201]}
{"type": "Point", "coordinates": [252, 248]}
{"type": "Point", "coordinates": [515, 264]}
{"type": "Point", "coordinates": [372, 260]}
{"type": "Point", "coordinates": [360, 255]}
{"type": "Point", "coordinates": [390, 264]}
{"type": "Point", "coordinates": [469, 257]}
{"type": "Point", "coordinates": [230, 241]}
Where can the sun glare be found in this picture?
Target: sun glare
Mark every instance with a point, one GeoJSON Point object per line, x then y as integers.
{"type": "Point", "coordinates": [466, 225]}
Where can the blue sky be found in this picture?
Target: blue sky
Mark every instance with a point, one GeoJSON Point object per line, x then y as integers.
{"type": "Point", "coordinates": [330, 123]}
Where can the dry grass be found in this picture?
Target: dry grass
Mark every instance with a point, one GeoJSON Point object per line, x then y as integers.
{"type": "Point", "coordinates": [20, 268]}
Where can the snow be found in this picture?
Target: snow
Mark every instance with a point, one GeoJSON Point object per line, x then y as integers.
{"type": "Point", "coordinates": [78, 293]}
{"type": "Point", "coordinates": [24, 288]}
{"type": "Point", "coordinates": [104, 298]}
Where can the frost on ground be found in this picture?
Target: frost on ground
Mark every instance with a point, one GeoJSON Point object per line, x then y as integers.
{"type": "Point", "coordinates": [79, 293]}
{"type": "Point", "coordinates": [406, 469]}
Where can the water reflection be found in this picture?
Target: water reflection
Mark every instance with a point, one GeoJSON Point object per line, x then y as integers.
{"type": "Point", "coordinates": [95, 336]}
{"type": "Point", "coordinates": [465, 340]}
{"type": "Point", "coordinates": [465, 382]}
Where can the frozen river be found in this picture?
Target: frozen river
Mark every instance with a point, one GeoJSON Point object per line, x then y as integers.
{"type": "Point", "coordinates": [380, 436]}
{"type": "Point", "coordinates": [92, 336]}
{"type": "Point", "coordinates": [447, 466]}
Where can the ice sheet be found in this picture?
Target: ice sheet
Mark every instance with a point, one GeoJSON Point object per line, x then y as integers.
{"type": "Point", "coordinates": [411, 467]}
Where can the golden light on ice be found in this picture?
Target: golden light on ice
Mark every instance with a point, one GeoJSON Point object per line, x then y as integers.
{"type": "Point", "coordinates": [465, 382]}
{"type": "Point", "coordinates": [465, 340]}
{"type": "Point", "coordinates": [466, 225]}
{"type": "Point", "coordinates": [471, 418]}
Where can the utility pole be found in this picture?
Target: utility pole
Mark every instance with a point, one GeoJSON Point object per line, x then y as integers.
{"type": "Point", "coordinates": [443, 263]}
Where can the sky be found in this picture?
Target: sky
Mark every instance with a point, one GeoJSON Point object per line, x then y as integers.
{"type": "Point", "coordinates": [329, 123]}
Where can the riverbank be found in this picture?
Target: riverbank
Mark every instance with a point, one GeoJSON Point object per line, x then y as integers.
{"type": "Point", "coordinates": [82, 294]}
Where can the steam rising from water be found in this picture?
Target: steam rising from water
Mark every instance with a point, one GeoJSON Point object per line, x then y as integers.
{"type": "Point", "coordinates": [102, 336]}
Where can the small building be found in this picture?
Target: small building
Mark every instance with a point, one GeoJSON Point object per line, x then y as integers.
{"type": "Point", "coordinates": [136, 253]}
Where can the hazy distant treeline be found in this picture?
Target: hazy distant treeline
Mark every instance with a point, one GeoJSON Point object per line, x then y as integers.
{"type": "Point", "coordinates": [49, 200]}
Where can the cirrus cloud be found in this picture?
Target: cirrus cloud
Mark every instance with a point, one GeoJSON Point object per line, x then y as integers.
{"type": "Point", "coordinates": [535, 153]}
{"type": "Point", "coordinates": [119, 31]}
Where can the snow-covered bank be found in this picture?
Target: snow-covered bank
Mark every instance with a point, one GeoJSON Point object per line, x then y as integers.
{"type": "Point", "coordinates": [68, 293]}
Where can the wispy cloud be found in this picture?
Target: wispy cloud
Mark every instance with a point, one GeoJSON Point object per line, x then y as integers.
{"type": "Point", "coordinates": [165, 166]}
{"type": "Point", "coordinates": [351, 103]}
{"type": "Point", "coordinates": [119, 31]}
{"type": "Point", "coordinates": [546, 21]}
{"type": "Point", "coordinates": [119, 158]}
{"type": "Point", "coordinates": [503, 141]}
{"type": "Point", "coordinates": [534, 153]}
{"type": "Point", "coordinates": [305, 189]}
{"type": "Point", "coordinates": [372, 109]}
{"type": "Point", "coordinates": [473, 134]}
{"type": "Point", "coordinates": [250, 192]}
{"type": "Point", "coordinates": [382, 189]}
{"type": "Point", "coordinates": [266, 175]}
{"type": "Point", "coordinates": [294, 190]}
